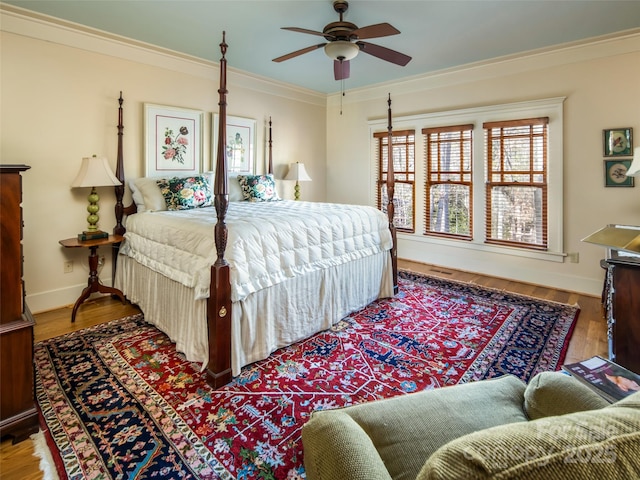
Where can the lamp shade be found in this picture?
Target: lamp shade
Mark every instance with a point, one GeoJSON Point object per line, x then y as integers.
{"type": "Point", "coordinates": [95, 172]}
{"type": "Point", "coordinates": [341, 50]}
{"type": "Point", "coordinates": [297, 172]}
{"type": "Point", "coordinates": [634, 168]}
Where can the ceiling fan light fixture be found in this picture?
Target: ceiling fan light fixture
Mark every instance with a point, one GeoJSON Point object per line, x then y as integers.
{"type": "Point", "coordinates": [341, 50]}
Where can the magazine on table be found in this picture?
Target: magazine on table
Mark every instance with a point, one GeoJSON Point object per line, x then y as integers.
{"type": "Point", "coordinates": [612, 381]}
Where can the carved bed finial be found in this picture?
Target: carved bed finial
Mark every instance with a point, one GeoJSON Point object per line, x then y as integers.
{"type": "Point", "coordinates": [223, 45]}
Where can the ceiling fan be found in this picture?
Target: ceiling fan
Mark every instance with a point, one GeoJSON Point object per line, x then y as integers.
{"type": "Point", "coordinates": [345, 41]}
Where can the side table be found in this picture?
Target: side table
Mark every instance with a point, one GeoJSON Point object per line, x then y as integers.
{"type": "Point", "coordinates": [94, 284]}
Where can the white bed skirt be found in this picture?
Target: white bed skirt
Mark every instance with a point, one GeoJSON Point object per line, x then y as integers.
{"type": "Point", "coordinates": [266, 320]}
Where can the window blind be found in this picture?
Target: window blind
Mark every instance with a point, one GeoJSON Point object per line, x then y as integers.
{"type": "Point", "coordinates": [449, 188]}
{"type": "Point", "coordinates": [516, 187]}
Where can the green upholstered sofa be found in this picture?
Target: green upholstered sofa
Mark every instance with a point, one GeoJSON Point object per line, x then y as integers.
{"type": "Point", "coordinates": [553, 428]}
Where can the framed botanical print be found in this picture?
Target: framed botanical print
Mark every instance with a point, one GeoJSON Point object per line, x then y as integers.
{"type": "Point", "coordinates": [173, 140]}
{"type": "Point", "coordinates": [241, 144]}
{"type": "Point", "coordinates": [618, 142]}
{"type": "Point", "coordinates": [615, 173]}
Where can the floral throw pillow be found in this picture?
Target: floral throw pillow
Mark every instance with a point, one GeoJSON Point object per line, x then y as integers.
{"type": "Point", "coordinates": [185, 193]}
{"type": "Point", "coordinates": [258, 188]}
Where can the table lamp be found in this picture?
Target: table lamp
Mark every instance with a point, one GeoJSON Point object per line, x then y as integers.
{"type": "Point", "coordinates": [298, 173]}
{"type": "Point", "coordinates": [94, 172]}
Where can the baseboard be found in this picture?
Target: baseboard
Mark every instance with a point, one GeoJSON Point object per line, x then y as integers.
{"type": "Point", "coordinates": [59, 298]}
{"type": "Point", "coordinates": [507, 270]}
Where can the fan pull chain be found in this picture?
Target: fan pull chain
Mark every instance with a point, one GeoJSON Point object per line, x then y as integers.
{"type": "Point", "coordinates": [341, 93]}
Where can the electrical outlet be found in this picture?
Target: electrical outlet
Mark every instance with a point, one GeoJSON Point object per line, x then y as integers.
{"type": "Point", "coordinates": [573, 257]}
{"type": "Point", "coordinates": [101, 261]}
{"type": "Point", "coordinates": [68, 266]}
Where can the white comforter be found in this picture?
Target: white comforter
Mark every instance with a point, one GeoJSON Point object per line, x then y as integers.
{"type": "Point", "coordinates": [268, 242]}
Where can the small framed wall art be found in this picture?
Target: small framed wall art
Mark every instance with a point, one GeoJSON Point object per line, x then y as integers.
{"type": "Point", "coordinates": [618, 142]}
{"type": "Point", "coordinates": [173, 140]}
{"type": "Point", "coordinates": [241, 144]}
{"type": "Point", "coordinates": [615, 173]}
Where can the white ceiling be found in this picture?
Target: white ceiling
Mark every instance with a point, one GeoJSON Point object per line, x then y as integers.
{"type": "Point", "coordinates": [438, 34]}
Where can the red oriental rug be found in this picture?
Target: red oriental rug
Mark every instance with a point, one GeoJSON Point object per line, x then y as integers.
{"type": "Point", "coordinates": [117, 401]}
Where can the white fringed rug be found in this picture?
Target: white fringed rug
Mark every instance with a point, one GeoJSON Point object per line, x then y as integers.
{"type": "Point", "coordinates": [41, 450]}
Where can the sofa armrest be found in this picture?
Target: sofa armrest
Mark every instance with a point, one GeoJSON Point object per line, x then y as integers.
{"type": "Point", "coordinates": [557, 393]}
{"type": "Point", "coordinates": [336, 448]}
{"type": "Point", "coordinates": [404, 430]}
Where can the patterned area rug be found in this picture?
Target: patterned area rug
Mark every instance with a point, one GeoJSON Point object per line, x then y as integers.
{"type": "Point", "coordinates": [119, 402]}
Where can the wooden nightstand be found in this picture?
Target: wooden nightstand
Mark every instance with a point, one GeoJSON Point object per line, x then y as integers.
{"type": "Point", "coordinates": [94, 284]}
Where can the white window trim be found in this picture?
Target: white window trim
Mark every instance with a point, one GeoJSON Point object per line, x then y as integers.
{"type": "Point", "coordinates": [549, 107]}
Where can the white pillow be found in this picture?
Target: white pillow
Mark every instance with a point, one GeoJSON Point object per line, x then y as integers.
{"type": "Point", "coordinates": [136, 195]}
{"type": "Point", "coordinates": [152, 198]}
{"type": "Point", "coordinates": [235, 191]}
{"type": "Point", "coordinates": [233, 187]}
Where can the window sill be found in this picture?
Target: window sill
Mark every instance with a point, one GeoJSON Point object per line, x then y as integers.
{"type": "Point", "coordinates": [557, 257]}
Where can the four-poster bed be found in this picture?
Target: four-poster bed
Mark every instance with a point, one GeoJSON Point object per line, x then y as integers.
{"type": "Point", "coordinates": [276, 272]}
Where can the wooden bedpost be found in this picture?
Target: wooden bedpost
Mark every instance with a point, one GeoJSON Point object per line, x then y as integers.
{"type": "Point", "coordinates": [391, 180]}
{"type": "Point", "coordinates": [219, 302]}
{"type": "Point", "coordinates": [270, 164]}
{"type": "Point", "coordinates": [119, 190]}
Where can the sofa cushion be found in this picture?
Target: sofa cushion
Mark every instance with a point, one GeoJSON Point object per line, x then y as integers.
{"type": "Point", "coordinates": [558, 393]}
{"type": "Point", "coordinates": [407, 429]}
{"type": "Point", "coordinates": [595, 444]}
{"type": "Point", "coordinates": [336, 448]}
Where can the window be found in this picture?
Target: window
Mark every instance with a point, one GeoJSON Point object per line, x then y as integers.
{"type": "Point", "coordinates": [490, 182]}
{"type": "Point", "coordinates": [449, 210]}
{"type": "Point", "coordinates": [403, 152]}
{"type": "Point", "coordinates": [516, 188]}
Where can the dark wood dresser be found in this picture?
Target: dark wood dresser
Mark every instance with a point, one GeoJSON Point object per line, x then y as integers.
{"type": "Point", "coordinates": [18, 413]}
{"type": "Point", "coordinates": [621, 299]}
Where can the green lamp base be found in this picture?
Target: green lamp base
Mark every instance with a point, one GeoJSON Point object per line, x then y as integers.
{"type": "Point", "coordinates": [92, 232]}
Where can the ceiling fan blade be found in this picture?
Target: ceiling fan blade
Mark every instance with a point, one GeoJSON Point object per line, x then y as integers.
{"type": "Point", "coordinates": [310, 32]}
{"type": "Point", "coordinates": [375, 31]}
{"type": "Point", "coordinates": [298, 52]}
{"type": "Point", "coordinates": [384, 53]}
{"type": "Point", "coordinates": [341, 69]}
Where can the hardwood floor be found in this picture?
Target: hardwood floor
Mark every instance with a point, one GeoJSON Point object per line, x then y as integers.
{"type": "Point", "coordinates": [589, 338]}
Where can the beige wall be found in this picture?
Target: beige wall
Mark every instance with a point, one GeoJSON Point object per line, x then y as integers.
{"type": "Point", "coordinates": [601, 83]}
{"type": "Point", "coordinates": [59, 104]}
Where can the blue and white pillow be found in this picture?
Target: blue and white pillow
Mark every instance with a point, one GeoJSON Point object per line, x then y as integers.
{"type": "Point", "coordinates": [258, 188]}
{"type": "Point", "coordinates": [185, 193]}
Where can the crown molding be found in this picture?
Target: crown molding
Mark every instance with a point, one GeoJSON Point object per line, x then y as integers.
{"type": "Point", "coordinates": [620, 43]}
{"type": "Point", "coordinates": [23, 22]}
